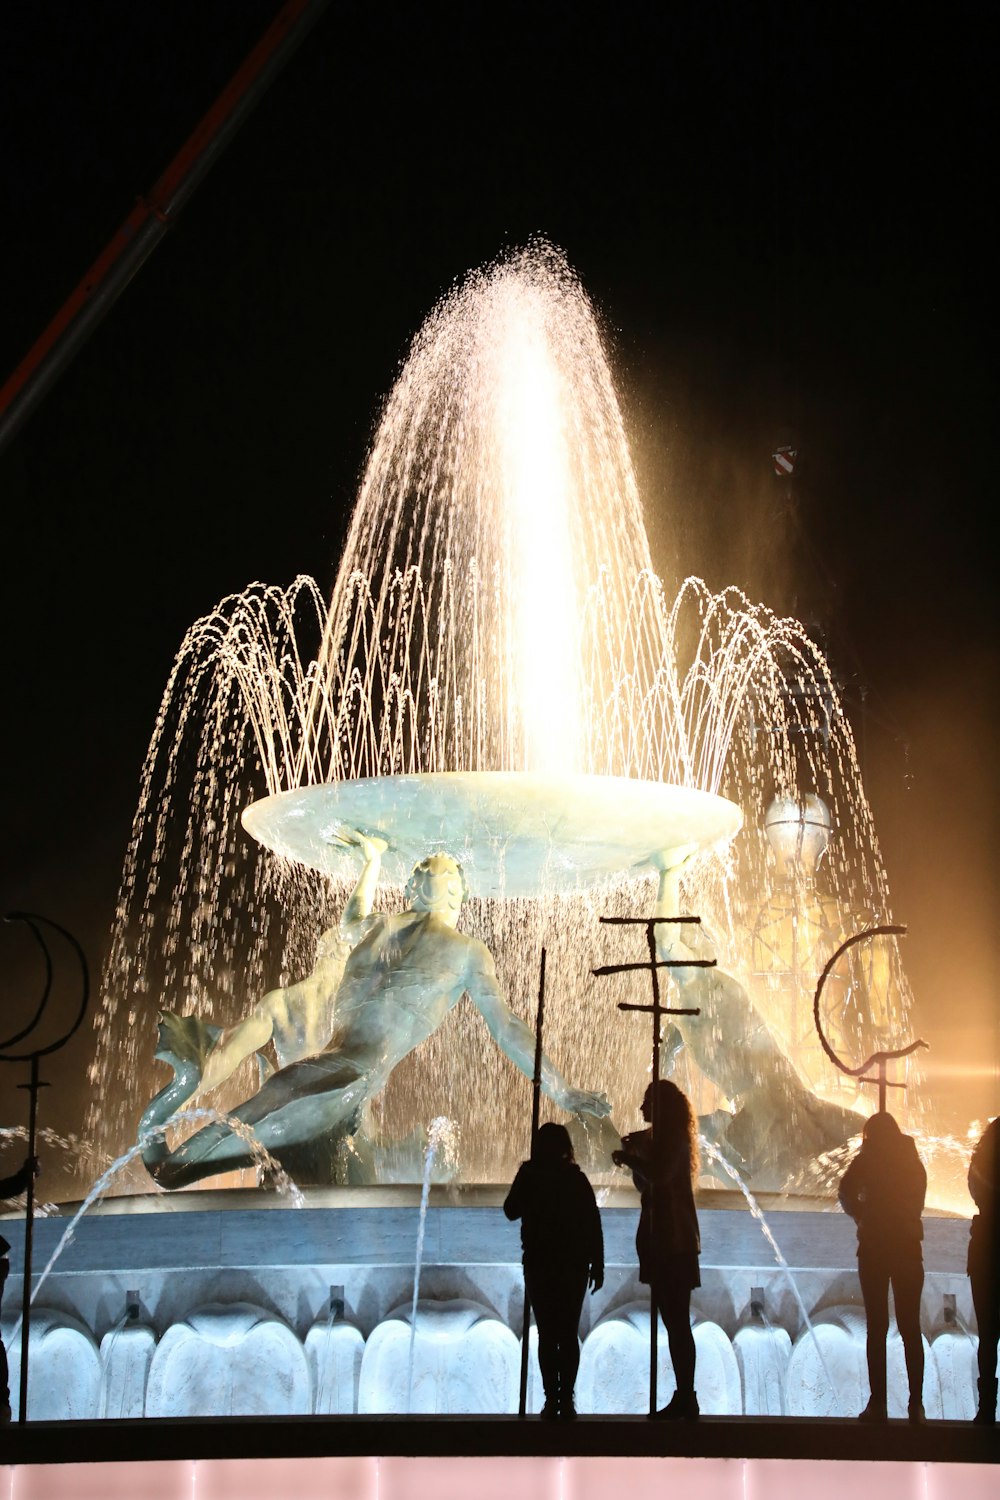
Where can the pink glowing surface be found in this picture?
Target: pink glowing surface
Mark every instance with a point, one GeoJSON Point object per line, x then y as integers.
{"type": "Point", "coordinates": [493, 1479]}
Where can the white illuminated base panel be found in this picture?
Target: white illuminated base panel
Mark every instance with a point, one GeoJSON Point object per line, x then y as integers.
{"type": "Point", "coordinates": [514, 833]}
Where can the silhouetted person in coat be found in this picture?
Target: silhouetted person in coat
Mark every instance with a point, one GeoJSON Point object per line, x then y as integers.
{"type": "Point", "coordinates": [984, 1263]}
{"type": "Point", "coordinates": [11, 1187]}
{"type": "Point", "coordinates": [563, 1252]}
{"type": "Point", "coordinates": [668, 1241]}
{"type": "Point", "coordinates": [883, 1190]}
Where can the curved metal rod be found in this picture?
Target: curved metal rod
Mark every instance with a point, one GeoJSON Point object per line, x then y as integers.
{"type": "Point", "coordinates": [876, 1057]}
{"type": "Point", "coordinates": [31, 918]}
{"type": "Point", "coordinates": [10, 1041]}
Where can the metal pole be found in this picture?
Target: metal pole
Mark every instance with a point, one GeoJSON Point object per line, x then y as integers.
{"type": "Point", "coordinates": [536, 1101]}
{"type": "Point", "coordinates": [654, 1313]}
{"type": "Point", "coordinates": [536, 1082]}
{"type": "Point", "coordinates": [29, 1212]}
{"type": "Point", "coordinates": [658, 1011]}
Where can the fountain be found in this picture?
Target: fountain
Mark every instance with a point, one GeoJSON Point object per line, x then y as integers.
{"type": "Point", "coordinates": [499, 677]}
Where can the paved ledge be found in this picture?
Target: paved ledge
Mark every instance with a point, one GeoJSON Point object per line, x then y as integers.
{"type": "Point", "coordinates": [454, 1437]}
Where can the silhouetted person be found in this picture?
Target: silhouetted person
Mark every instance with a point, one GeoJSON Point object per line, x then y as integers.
{"type": "Point", "coordinates": [984, 1271]}
{"type": "Point", "coordinates": [668, 1241]}
{"type": "Point", "coordinates": [563, 1252]}
{"type": "Point", "coordinates": [883, 1191]}
{"type": "Point", "coordinates": [10, 1187]}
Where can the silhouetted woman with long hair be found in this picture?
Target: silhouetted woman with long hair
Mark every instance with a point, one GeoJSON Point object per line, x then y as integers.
{"type": "Point", "coordinates": [563, 1252]}
{"type": "Point", "coordinates": [665, 1169]}
{"type": "Point", "coordinates": [883, 1190]}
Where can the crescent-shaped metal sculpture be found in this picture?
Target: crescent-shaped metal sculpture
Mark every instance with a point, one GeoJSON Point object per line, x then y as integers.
{"type": "Point", "coordinates": [11, 1041]}
{"type": "Point", "coordinates": [877, 1059]}
{"type": "Point", "coordinates": [31, 920]}
{"type": "Point", "coordinates": [31, 1055]}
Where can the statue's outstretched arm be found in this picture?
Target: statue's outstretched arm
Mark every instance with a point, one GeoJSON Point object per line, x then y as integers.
{"type": "Point", "coordinates": [517, 1041]}
{"type": "Point", "coordinates": [362, 898]}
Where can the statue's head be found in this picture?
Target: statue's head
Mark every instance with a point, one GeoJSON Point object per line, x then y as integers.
{"type": "Point", "coordinates": [437, 885]}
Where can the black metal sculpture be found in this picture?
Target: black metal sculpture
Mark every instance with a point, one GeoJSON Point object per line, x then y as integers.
{"type": "Point", "coordinates": [657, 1010]}
{"type": "Point", "coordinates": [33, 1055]}
{"type": "Point", "coordinates": [879, 1059]}
{"type": "Point", "coordinates": [536, 1101]}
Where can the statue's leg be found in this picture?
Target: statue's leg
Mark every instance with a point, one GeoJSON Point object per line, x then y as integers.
{"type": "Point", "coordinates": [314, 1097]}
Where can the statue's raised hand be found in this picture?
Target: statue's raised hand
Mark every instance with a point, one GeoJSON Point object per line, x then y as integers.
{"type": "Point", "coordinates": [586, 1102]}
{"type": "Point", "coordinates": [372, 845]}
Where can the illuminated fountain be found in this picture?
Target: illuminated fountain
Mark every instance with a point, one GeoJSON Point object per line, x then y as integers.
{"type": "Point", "coordinates": [495, 634]}
{"type": "Point", "coordinates": [499, 675]}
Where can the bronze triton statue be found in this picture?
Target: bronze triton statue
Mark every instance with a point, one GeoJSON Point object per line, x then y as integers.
{"type": "Point", "coordinates": [401, 976]}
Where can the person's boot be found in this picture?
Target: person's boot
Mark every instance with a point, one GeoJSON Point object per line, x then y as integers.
{"type": "Point", "coordinates": [550, 1411]}
{"type": "Point", "coordinates": [915, 1381]}
{"type": "Point", "coordinates": [987, 1411]}
{"type": "Point", "coordinates": [875, 1411]}
{"type": "Point", "coordinates": [569, 1366]}
{"type": "Point", "coordinates": [682, 1407]}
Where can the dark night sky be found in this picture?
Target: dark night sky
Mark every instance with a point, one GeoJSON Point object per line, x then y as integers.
{"type": "Point", "coordinates": [781, 213]}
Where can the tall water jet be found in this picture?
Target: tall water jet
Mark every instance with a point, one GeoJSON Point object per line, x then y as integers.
{"type": "Point", "coordinates": [495, 615]}
{"type": "Point", "coordinates": [498, 491]}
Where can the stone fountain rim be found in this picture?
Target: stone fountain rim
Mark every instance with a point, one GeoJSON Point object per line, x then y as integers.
{"type": "Point", "coordinates": [407, 1195]}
